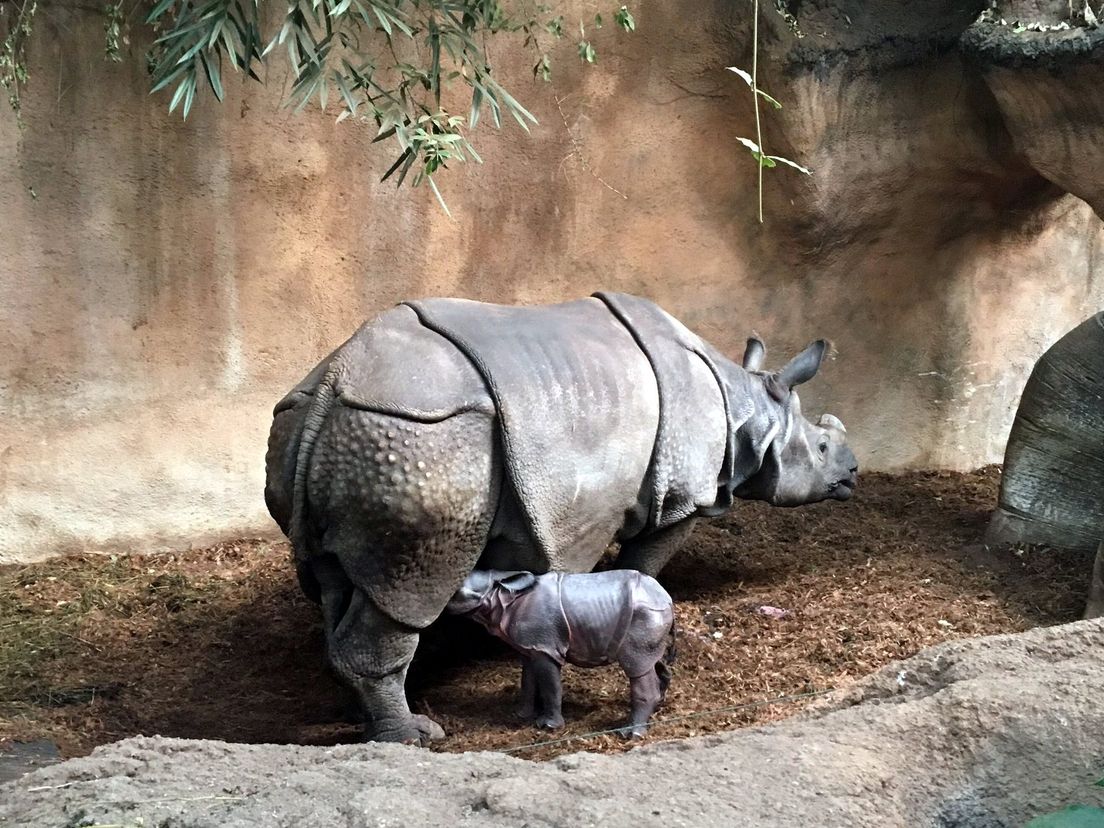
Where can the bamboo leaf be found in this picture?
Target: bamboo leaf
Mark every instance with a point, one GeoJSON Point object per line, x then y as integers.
{"type": "Point", "coordinates": [178, 96]}
{"type": "Point", "coordinates": [476, 104]}
{"type": "Point", "coordinates": [213, 77]}
{"type": "Point", "coordinates": [440, 199]}
{"type": "Point", "coordinates": [789, 163]}
{"type": "Point", "coordinates": [189, 97]}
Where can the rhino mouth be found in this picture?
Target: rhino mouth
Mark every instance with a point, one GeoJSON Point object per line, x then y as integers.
{"type": "Point", "coordinates": [843, 489]}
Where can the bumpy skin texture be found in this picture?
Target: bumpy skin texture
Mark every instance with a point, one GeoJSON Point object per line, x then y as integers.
{"type": "Point", "coordinates": [1052, 487]}
{"type": "Point", "coordinates": [446, 435]}
{"type": "Point", "coordinates": [588, 620]}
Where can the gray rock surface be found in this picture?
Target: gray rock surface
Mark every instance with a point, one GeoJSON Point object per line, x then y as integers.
{"type": "Point", "coordinates": [978, 733]}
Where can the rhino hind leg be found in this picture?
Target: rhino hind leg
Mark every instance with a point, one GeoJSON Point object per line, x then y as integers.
{"type": "Point", "coordinates": [372, 653]}
{"type": "Point", "coordinates": [642, 658]}
{"type": "Point", "coordinates": [1095, 607]}
{"type": "Point", "coordinates": [399, 513]}
{"type": "Point", "coordinates": [652, 553]}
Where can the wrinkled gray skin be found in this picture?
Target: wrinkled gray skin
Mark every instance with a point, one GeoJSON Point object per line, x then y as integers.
{"type": "Point", "coordinates": [395, 472]}
{"type": "Point", "coordinates": [588, 620]}
{"type": "Point", "coordinates": [1052, 486]}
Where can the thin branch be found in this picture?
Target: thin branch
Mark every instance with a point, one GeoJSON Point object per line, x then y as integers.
{"type": "Point", "coordinates": [578, 150]}
{"type": "Point", "coordinates": [755, 96]}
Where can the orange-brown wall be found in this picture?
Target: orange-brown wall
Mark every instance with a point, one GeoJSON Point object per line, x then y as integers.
{"type": "Point", "coordinates": [162, 284]}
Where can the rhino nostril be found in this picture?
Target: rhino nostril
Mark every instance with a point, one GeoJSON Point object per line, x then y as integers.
{"type": "Point", "coordinates": [854, 470]}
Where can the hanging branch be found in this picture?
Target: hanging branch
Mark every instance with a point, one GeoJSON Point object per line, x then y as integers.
{"type": "Point", "coordinates": [762, 159]}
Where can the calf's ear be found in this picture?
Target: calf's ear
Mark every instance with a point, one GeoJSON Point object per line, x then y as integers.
{"type": "Point", "coordinates": [517, 582]}
{"type": "Point", "coordinates": [754, 353]}
{"type": "Point", "coordinates": [804, 366]}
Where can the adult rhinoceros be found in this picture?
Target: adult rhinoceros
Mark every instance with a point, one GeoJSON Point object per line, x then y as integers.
{"type": "Point", "coordinates": [1052, 488]}
{"type": "Point", "coordinates": [447, 434]}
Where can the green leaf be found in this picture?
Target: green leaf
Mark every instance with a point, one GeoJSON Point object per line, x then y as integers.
{"type": "Point", "coordinates": [769, 99]}
{"type": "Point", "coordinates": [586, 52]}
{"type": "Point", "coordinates": [598, 21]}
{"type": "Point", "coordinates": [383, 21]}
{"type": "Point", "coordinates": [543, 69]}
{"type": "Point", "coordinates": [346, 94]}
{"type": "Point", "coordinates": [751, 145]}
{"type": "Point", "coordinates": [158, 10]}
{"type": "Point", "coordinates": [789, 163]}
{"type": "Point", "coordinates": [476, 104]}
{"type": "Point", "coordinates": [406, 155]}
{"type": "Point", "coordinates": [440, 200]}
{"type": "Point", "coordinates": [625, 19]}
{"type": "Point", "coordinates": [516, 109]}
{"type": "Point", "coordinates": [178, 96]}
{"type": "Point", "coordinates": [213, 77]}
{"type": "Point", "coordinates": [170, 77]}
{"type": "Point", "coordinates": [189, 98]}
{"type": "Point", "coordinates": [751, 83]}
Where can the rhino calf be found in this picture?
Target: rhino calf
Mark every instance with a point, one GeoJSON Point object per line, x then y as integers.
{"type": "Point", "coordinates": [588, 620]}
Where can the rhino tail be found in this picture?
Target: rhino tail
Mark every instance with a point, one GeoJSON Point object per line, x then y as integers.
{"type": "Point", "coordinates": [324, 397]}
{"type": "Point", "coordinates": [663, 666]}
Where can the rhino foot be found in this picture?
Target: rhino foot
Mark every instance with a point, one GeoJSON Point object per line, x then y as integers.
{"type": "Point", "coordinates": [550, 722]}
{"type": "Point", "coordinates": [417, 730]}
{"type": "Point", "coordinates": [428, 730]}
{"type": "Point", "coordinates": [525, 713]}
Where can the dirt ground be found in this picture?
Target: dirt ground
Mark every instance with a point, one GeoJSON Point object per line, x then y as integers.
{"type": "Point", "coordinates": [219, 643]}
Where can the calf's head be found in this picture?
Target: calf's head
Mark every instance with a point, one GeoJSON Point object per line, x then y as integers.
{"type": "Point", "coordinates": [804, 463]}
{"type": "Point", "coordinates": [481, 582]}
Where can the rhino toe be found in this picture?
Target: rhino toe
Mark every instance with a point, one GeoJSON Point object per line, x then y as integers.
{"type": "Point", "coordinates": [428, 730]}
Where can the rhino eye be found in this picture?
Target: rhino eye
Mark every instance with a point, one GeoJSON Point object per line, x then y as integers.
{"type": "Point", "coordinates": [823, 448]}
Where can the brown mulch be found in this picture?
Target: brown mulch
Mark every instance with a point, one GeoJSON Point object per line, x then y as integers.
{"type": "Point", "coordinates": [218, 643]}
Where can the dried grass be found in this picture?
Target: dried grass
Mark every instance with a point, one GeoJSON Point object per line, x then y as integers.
{"type": "Point", "coordinates": [219, 643]}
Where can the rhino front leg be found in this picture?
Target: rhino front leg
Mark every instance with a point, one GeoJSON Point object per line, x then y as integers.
{"type": "Point", "coordinates": [372, 653]}
{"type": "Point", "coordinates": [652, 553]}
{"type": "Point", "coordinates": [549, 687]}
{"type": "Point", "coordinates": [646, 695]}
{"type": "Point", "coordinates": [1095, 607]}
{"type": "Point", "coordinates": [527, 702]}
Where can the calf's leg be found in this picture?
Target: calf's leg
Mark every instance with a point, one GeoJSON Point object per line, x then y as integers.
{"type": "Point", "coordinates": [527, 702]}
{"type": "Point", "coordinates": [646, 696]}
{"type": "Point", "coordinates": [549, 687]}
{"type": "Point", "coordinates": [1095, 607]}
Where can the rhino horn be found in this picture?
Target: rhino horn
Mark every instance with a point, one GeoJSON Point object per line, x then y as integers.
{"type": "Point", "coordinates": [754, 353]}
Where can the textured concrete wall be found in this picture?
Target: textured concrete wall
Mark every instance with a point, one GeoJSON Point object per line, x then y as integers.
{"type": "Point", "coordinates": [162, 283]}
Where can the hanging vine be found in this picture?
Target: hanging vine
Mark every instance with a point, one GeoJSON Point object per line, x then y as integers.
{"type": "Point", "coordinates": [758, 152]}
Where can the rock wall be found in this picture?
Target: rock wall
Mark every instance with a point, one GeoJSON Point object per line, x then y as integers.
{"type": "Point", "coordinates": [163, 283]}
{"type": "Point", "coordinates": [943, 739]}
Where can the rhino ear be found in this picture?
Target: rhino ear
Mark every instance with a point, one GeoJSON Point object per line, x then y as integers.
{"type": "Point", "coordinates": [754, 353]}
{"type": "Point", "coordinates": [804, 366]}
{"type": "Point", "coordinates": [517, 582]}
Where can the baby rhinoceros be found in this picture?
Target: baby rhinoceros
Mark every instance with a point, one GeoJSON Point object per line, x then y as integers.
{"type": "Point", "coordinates": [588, 620]}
